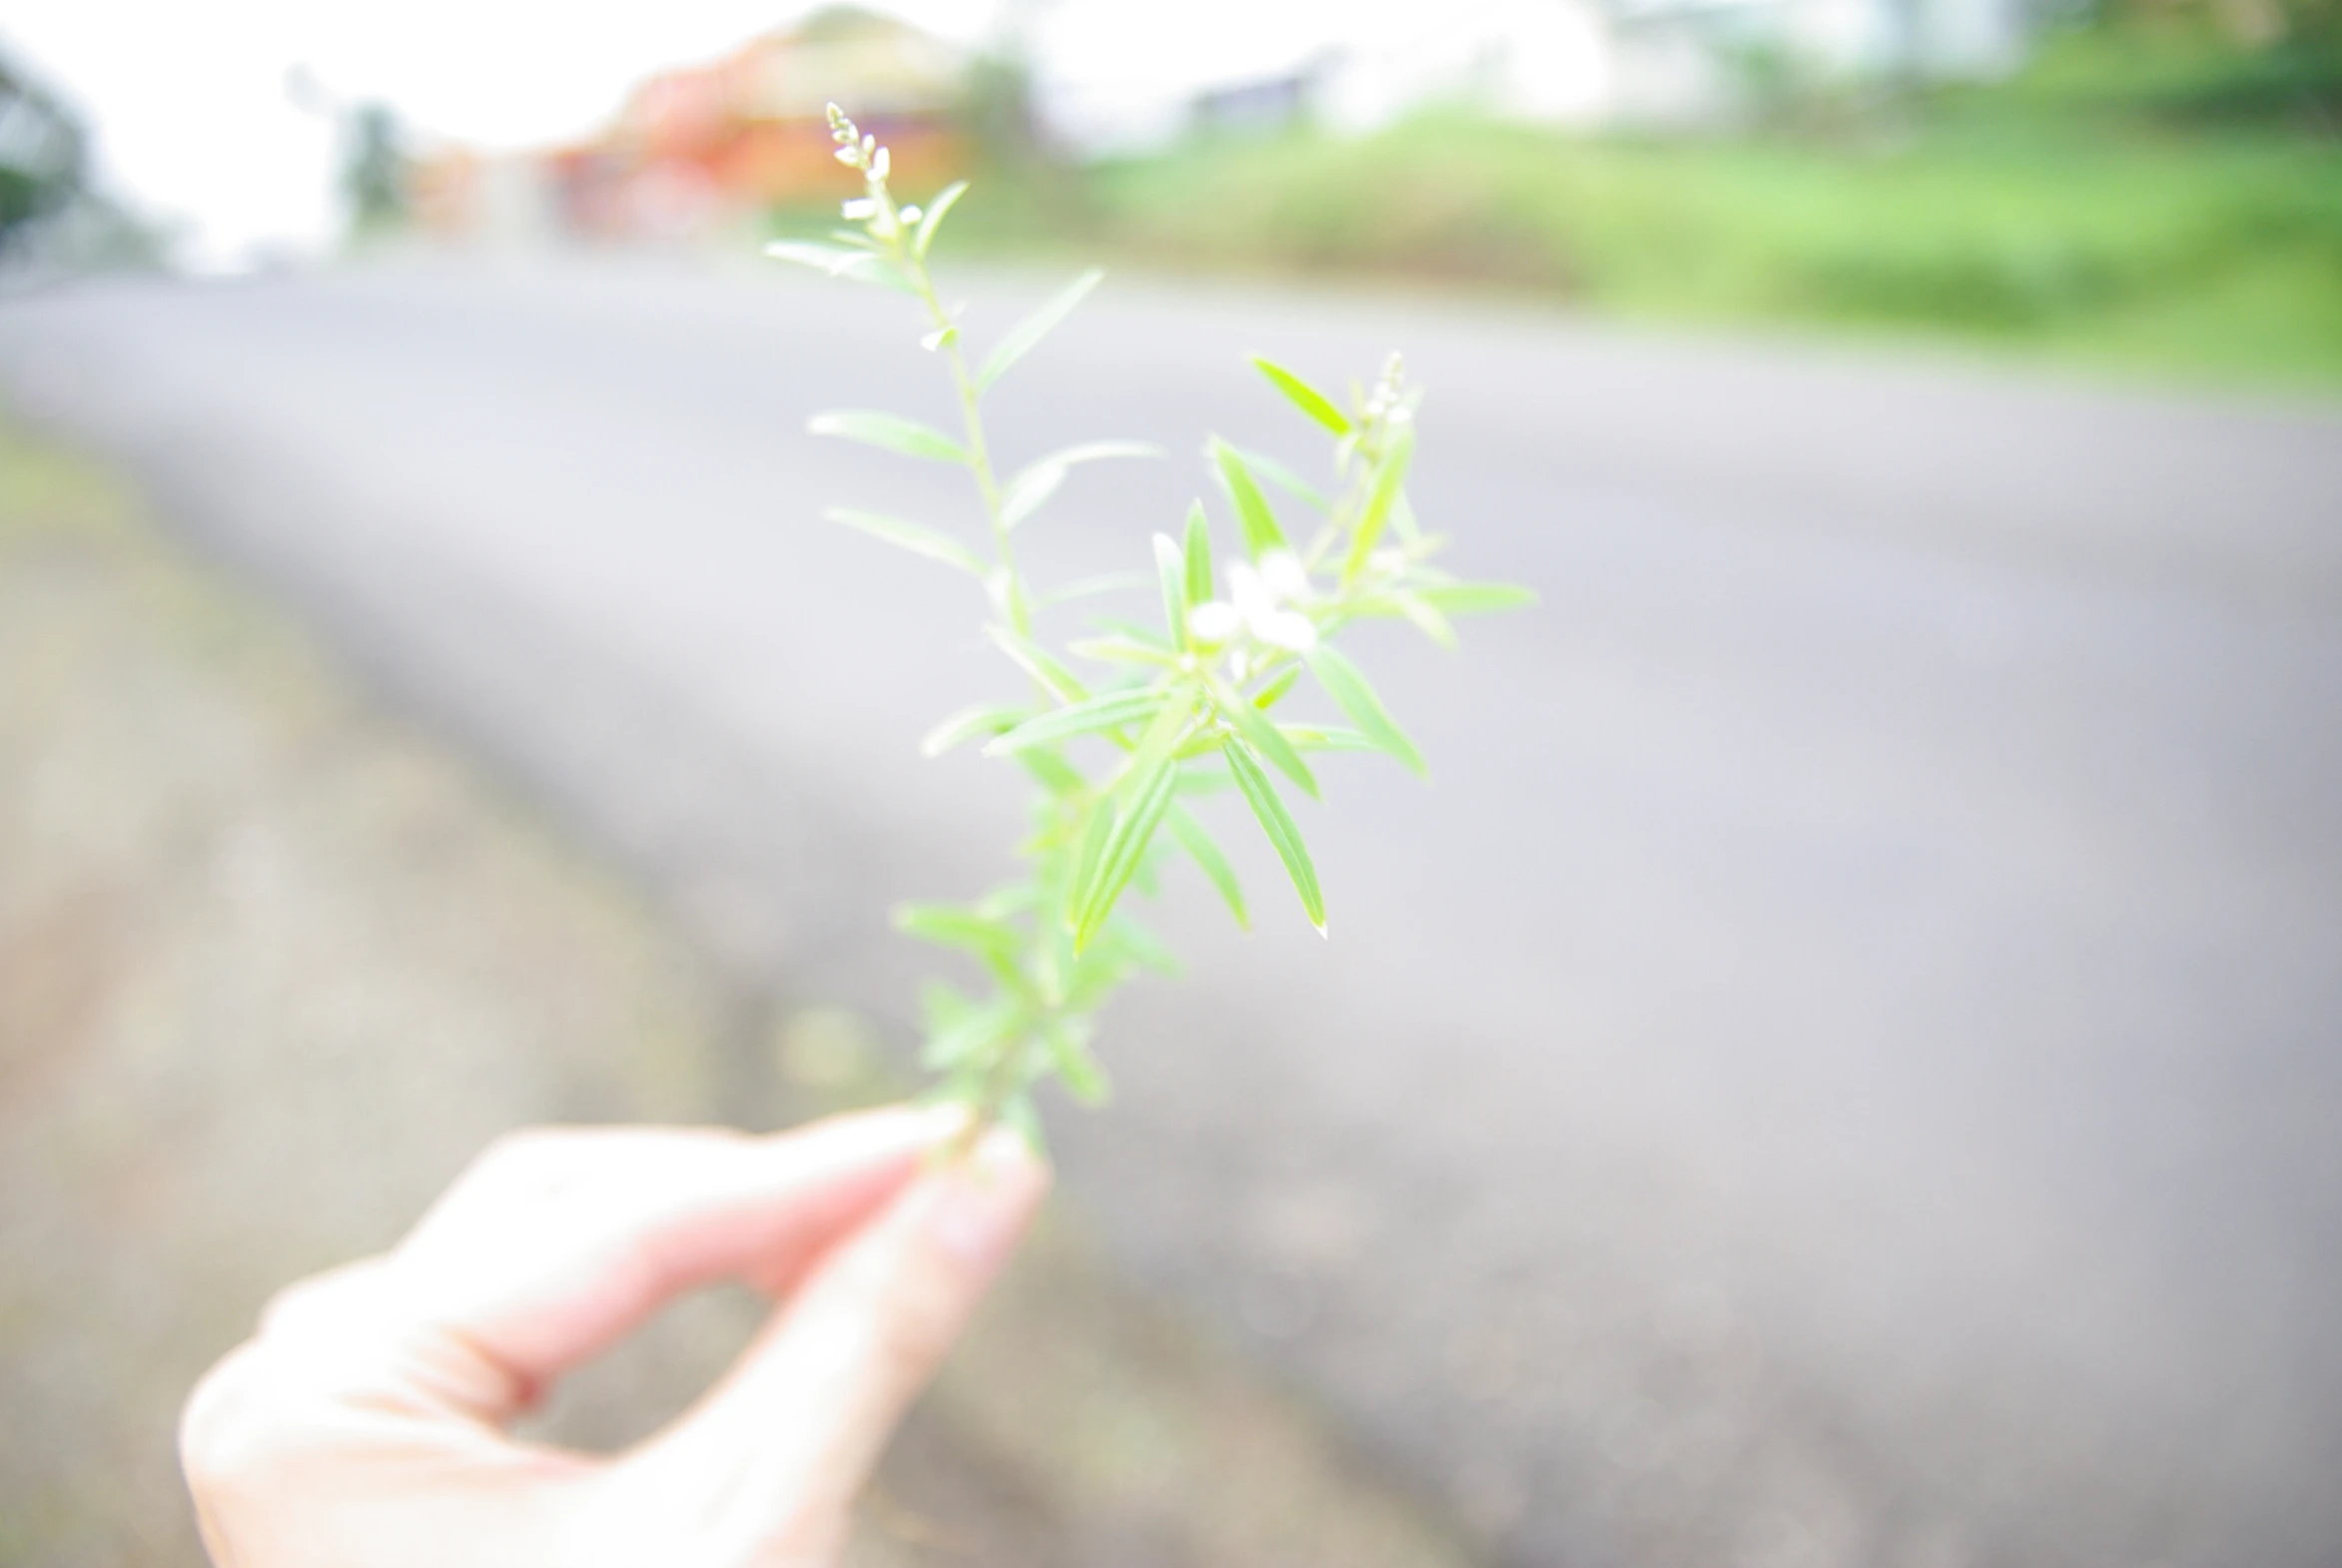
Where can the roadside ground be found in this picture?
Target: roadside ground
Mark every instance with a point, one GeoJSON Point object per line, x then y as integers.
{"type": "Point", "coordinates": [274, 964]}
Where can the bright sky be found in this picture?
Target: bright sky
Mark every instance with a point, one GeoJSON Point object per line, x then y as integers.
{"type": "Point", "coordinates": [194, 124]}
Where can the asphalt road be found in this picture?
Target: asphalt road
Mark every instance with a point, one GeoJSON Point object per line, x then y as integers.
{"type": "Point", "coordinates": [1842, 1065]}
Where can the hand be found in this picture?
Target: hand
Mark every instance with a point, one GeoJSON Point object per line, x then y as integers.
{"type": "Point", "coordinates": [364, 1423]}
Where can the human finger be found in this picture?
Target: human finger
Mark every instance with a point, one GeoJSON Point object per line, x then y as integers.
{"type": "Point", "coordinates": [559, 1241]}
{"type": "Point", "coordinates": [786, 1441]}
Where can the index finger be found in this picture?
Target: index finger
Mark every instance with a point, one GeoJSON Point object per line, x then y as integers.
{"type": "Point", "coordinates": [559, 1241]}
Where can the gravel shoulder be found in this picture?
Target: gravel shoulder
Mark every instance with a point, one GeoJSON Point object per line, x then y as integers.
{"type": "Point", "coordinates": [274, 964]}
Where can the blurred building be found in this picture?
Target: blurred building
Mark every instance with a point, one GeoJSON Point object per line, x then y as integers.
{"type": "Point", "coordinates": [1592, 63]}
{"type": "Point", "coordinates": [705, 149]}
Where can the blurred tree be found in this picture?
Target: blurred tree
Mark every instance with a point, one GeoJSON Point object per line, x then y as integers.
{"type": "Point", "coordinates": [2272, 64]}
{"type": "Point", "coordinates": [373, 169]}
{"type": "Point", "coordinates": [1029, 186]}
{"type": "Point", "coordinates": [2243, 23]}
{"type": "Point", "coordinates": [996, 109]}
{"type": "Point", "coordinates": [997, 103]}
{"type": "Point", "coordinates": [44, 155]}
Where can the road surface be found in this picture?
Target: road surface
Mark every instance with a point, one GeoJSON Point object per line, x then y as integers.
{"type": "Point", "coordinates": [1842, 1066]}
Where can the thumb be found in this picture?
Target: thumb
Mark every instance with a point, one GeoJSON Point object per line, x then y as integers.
{"type": "Point", "coordinates": [782, 1446]}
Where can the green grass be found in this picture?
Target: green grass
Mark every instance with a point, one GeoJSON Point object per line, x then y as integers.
{"type": "Point", "coordinates": [2208, 255]}
{"type": "Point", "coordinates": [2146, 195]}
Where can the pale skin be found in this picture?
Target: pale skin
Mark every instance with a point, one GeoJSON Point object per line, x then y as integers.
{"type": "Point", "coordinates": [368, 1420]}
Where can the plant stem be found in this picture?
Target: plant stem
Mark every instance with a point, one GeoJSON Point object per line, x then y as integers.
{"type": "Point", "coordinates": [978, 455]}
{"type": "Point", "coordinates": [1002, 1076]}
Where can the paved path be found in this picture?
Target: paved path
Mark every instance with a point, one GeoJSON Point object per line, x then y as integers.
{"type": "Point", "coordinates": [1845, 1065]}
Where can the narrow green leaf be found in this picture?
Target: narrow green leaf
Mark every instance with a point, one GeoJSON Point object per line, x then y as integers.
{"type": "Point", "coordinates": [1408, 604]}
{"type": "Point", "coordinates": [1121, 650]}
{"type": "Point", "coordinates": [1002, 902]}
{"type": "Point", "coordinates": [916, 537]}
{"type": "Point", "coordinates": [1145, 636]}
{"type": "Point", "coordinates": [1038, 481]}
{"type": "Point", "coordinates": [1283, 835]}
{"type": "Point", "coordinates": [1093, 976]}
{"type": "Point", "coordinates": [892, 431]}
{"type": "Point", "coordinates": [1262, 534]}
{"type": "Point", "coordinates": [1195, 553]}
{"type": "Point", "coordinates": [1148, 879]}
{"type": "Point", "coordinates": [1170, 566]}
{"type": "Point", "coordinates": [1076, 1069]}
{"type": "Point", "coordinates": [1093, 451]}
{"type": "Point", "coordinates": [942, 1004]}
{"type": "Point", "coordinates": [1424, 618]}
{"type": "Point", "coordinates": [1026, 493]}
{"type": "Point", "coordinates": [1098, 825]}
{"type": "Point", "coordinates": [953, 925]}
{"type": "Point", "coordinates": [986, 718]}
{"type": "Point", "coordinates": [1326, 737]}
{"type": "Point", "coordinates": [948, 925]}
{"type": "Point", "coordinates": [1110, 711]}
{"type": "Point", "coordinates": [1019, 1116]}
{"type": "Point", "coordinates": [1053, 772]}
{"type": "Point", "coordinates": [1150, 795]}
{"type": "Point", "coordinates": [1205, 852]}
{"type": "Point", "coordinates": [1267, 697]}
{"type": "Point", "coordinates": [831, 259]}
{"type": "Point", "coordinates": [1204, 743]}
{"type": "Point", "coordinates": [1057, 971]}
{"type": "Point", "coordinates": [1162, 737]}
{"type": "Point", "coordinates": [1034, 327]}
{"type": "Point", "coordinates": [931, 219]}
{"type": "Point", "coordinates": [1142, 791]}
{"type": "Point", "coordinates": [1347, 686]}
{"type": "Point", "coordinates": [1305, 397]}
{"type": "Point", "coordinates": [840, 261]}
{"type": "Point", "coordinates": [1283, 478]}
{"type": "Point", "coordinates": [970, 1032]}
{"type": "Point", "coordinates": [1140, 945]}
{"type": "Point", "coordinates": [1036, 663]}
{"type": "Point", "coordinates": [1091, 587]}
{"type": "Point", "coordinates": [1390, 475]}
{"type": "Point", "coordinates": [1476, 599]}
{"type": "Point", "coordinates": [1402, 517]}
{"type": "Point", "coordinates": [1253, 725]}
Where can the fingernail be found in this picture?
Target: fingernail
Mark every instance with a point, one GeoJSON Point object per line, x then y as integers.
{"type": "Point", "coordinates": [987, 1199]}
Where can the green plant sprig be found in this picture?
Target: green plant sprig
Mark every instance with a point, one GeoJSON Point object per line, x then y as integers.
{"type": "Point", "coordinates": [1190, 709]}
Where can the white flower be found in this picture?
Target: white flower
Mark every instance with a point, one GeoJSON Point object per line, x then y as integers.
{"type": "Point", "coordinates": [861, 208]}
{"type": "Point", "coordinates": [1288, 629]}
{"type": "Point", "coordinates": [1252, 595]}
{"type": "Point", "coordinates": [1283, 573]}
{"type": "Point", "coordinates": [1214, 620]}
{"type": "Point", "coordinates": [910, 214]}
{"type": "Point", "coordinates": [878, 164]}
{"type": "Point", "coordinates": [1258, 601]}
